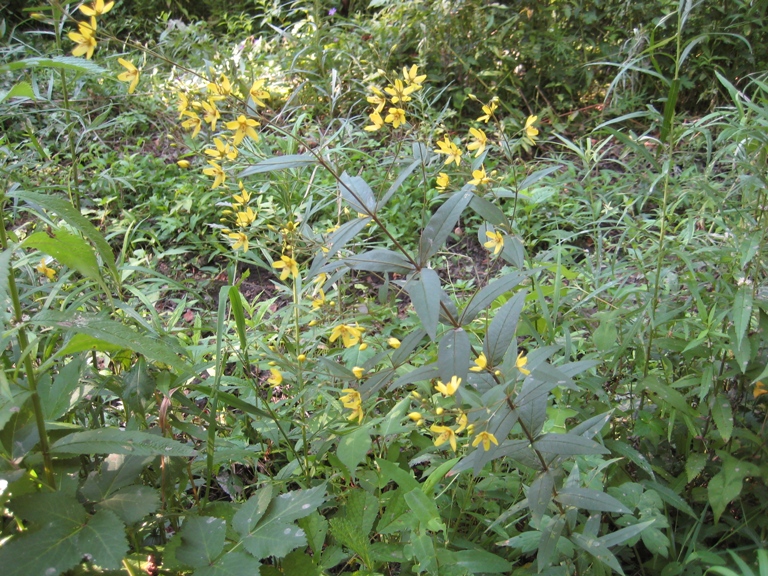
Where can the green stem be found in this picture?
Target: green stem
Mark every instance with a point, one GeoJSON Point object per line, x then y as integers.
{"type": "Point", "coordinates": [300, 377]}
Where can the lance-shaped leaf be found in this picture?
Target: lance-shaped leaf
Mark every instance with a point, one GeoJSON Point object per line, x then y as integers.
{"type": "Point", "coordinates": [398, 182]}
{"type": "Point", "coordinates": [279, 163]}
{"type": "Point", "coordinates": [453, 355]}
{"type": "Point", "coordinates": [380, 260]}
{"type": "Point", "coordinates": [594, 547]}
{"type": "Point", "coordinates": [567, 445]}
{"type": "Point", "coordinates": [441, 224]}
{"type": "Point", "coordinates": [408, 345]}
{"type": "Point", "coordinates": [502, 330]}
{"type": "Point", "coordinates": [69, 249]}
{"type": "Point", "coordinates": [425, 296]}
{"type": "Point", "coordinates": [420, 374]}
{"type": "Point", "coordinates": [336, 241]}
{"type": "Point", "coordinates": [115, 441]}
{"type": "Point", "coordinates": [489, 212]}
{"type": "Point", "coordinates": [540, 494]}
{"type": "Point", "coordinates": [486, 296]}
{"type": "Point", "coordinates": [357, 193]}
{"type": "Point", "coordinates": [591, 500]}
{"type": "Point", "coordinates": [70, 63]}
{"type": "Point", "coordinates": [621, 536]}
{"type": "Point", "coordinates": [550, 534]}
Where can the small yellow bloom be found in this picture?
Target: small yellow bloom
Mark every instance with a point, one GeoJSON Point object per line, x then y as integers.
{"type": "Point", "coordinates": [496, 242]}
{"type": "Point", "coordinates": [378, 100]}
{"type": "Point", "coordinates": [439, 410]}
{"type": "Point", "coordinates": [489, 110]}
{"type": "Point", "coordinates": [246, 217]}
{"type": "Point", "coordinates": [351, 398]}
{"type": "Point", "coordinates": [450, 388]}
{"type": "Point", "coordinates": [480, 363]}
{"type": "Point", "coordinates": [243, 127]}
{"type": "Point", "coordinates": [289, 266]}
{"type": "Point", "coordinates": [222, 88]}
{"type": "Point", "coordinates": [453, 153]}
{"type": "Point", "coordinates": [486, 438]}
{"type": "Point", "coordinates": [194, 123]}
{"type": "Point", "coordinates": [358, 372]}
{"type": "Point", "coordinates": [415, 416]}
{"type": "Point", "coordinates": [530, 131]}
{"type": "Point", "coordinates": [43, 269]}
{"type": "Point", "coordinates": [416, 395]}
{"type": "Point", "coordinates": [398, 92]}
{"type": "Point", "coordinates": [241, 241]}
{"type": "Point", "coordinates": [258, 94]}
{"type": "Point", "coordinates": [479, 177]}
{"type": "Point", "coordinates": [301, 357]}
{"type": "Point", "coordinates": [758, 391]}
{"type": "Point", "coordinates": [442, 181]}
{"type": "Point", "coordinates": [393, 342]}
{"type": "Point", "coordinates": [462, 422]}
{"type": "Point", "coordinates": [363, 346]}
{"type": "Point", "coordinates": [479, 141]}
{"type": "Point", "coordinates": [396, 117]}
{"type": "Point", "coordinates": [212, 113]}
{"type": "Point", "coordinates": [85, 39]}
{"type": "Point", "coordinates": [183, 164]}
{"type": "Point", "coordinates": [222, 150]}
{"type": "Point", "coordinates": [183, 104]}
{"type": "Point", "coordinates": [312, 323]}
{"type": "Point", "coordinates": [520, 363]}
{"type": "Point", "coordinates": [217, 172]}
{"type": "Point", "coordinates": [445, 434]}
{"type": "Point", "coordinates": [131, 74]}
{"type": "Point", "coordinates": [377, 120]}
{"type": "Point", "coordinates": [276, 379]}
{"type": "Point", "coordinates": [97, 8]}
{"type": "Point", "coordinates": [349, 335]}
{"type": "Point", "coordinates": [412, 77]}
{"type": "Point", "coordinates": [319, 301]}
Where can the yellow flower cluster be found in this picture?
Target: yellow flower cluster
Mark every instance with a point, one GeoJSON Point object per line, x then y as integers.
{"type": "Point", "coordinates": [395, 96]}
{"type": "Point", "coordinates": [352, 401]}
{"type": "Point", "coordinates": [242, 216]}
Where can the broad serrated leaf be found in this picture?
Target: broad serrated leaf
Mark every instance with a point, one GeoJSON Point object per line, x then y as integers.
{"type": "Point", "coordinates": [18, 90]}
{"type": "Point", "coordinates": [591, 500]}
{"type": "Point", "coordinates": [726, 485]}
{"type": "Point", "coordinates": [115, 441]}
{"type": "Point", "coordinates": [486, 296]}
{"type": "Point", "coordinates": [380, 260]}
{"type": "Point", "coordinates": [315, 528]}
{"type": "Point", "coordinates": [568, 445]}
{"type": "Point", "coordinates": [202, 540]}
{"type": "Point", "coordinates": [132, 503]}
{"type": "Point", "coordinates": [279, 163]}
{"type": "Point", "coordinates": [597, 549]}
{"type": "Point", "coordinates": [69, 249]}
{"type": "Point", "coordinates": [275, 538]}
{"type": "Point", "coordinates": [58, 399]}
{"type": "Point", "coordinates": [231, 564]}
{"type": "Point", "coordinates": [425, 296]}
{"type": "Point", "coordinates": [358, 194]}
{"type": "Point", "coordinates": [722, 414]}
{"type": "Point", "coordinates": [425, 509]}
{"type": "Point", "coordinates": [103, 539]}
{"type": "Point", "coordinates": [442, 224]}
{"type": "Point", "coordinates": [453, 355]}
{"type": "Point", "coordinates": [138, 386]}
{"type": "Point", "coordinates": [294, 505]}
{"type": "Point", "coordinates": [117, 471]}
{"type": "Point", "coordinates": [250, 513]}
{"type": "Point", "coordinates": [353, 448]}
{"type": "Point", "coordinates": [502, 330]}
{"type": "Point", "coordinates": [45, 552]}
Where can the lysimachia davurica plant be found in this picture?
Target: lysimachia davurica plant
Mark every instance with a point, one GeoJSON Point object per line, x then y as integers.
{"type": "Point", "coordinates": [406, 421]}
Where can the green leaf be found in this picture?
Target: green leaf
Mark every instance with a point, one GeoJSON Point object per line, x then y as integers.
{"type": "Point", "coordinates": [540, 495]}
{"type": "Point", "coordinates": [357, 193]}
{"type": "Point", "coordinates": [568, 445]}
{"type": "Point", "coordinates": [380, 260]}
{"type": "Point", "coordinates": [70, 63]}
{"type": "Point", "coordinates": [9, 407]}
{"type": "Point", "coordinates": [315, 527]}
{"type": "Point", "coordinates": [726, 485]}
{"type": "Point", "coordinates": [482, 562]}
{"type": "Point", "coordinates": [591, 500]}
{"type": "Point", "coordinates": [694, 465]}
{"type": "Point", "coordinates": [594, 547]}
{"type": "Point", "coordinates": [670, 497]}
{"type": "Point", "coordinates": [18, 90]}
{"type": "Point", "coordinates": [424, 292]}
{"type": "Point", "coordinates": [103, 538]}
{"type": "Point", "coordinates": [550, 535]}
{"type": "Point", "coordinates": [502, 330]}
{"type": "Point", "coordinates": [453, 355]}
{"type": "Point", "coordinates": [488, 294]}
{"type": "Point", "coordinates": [353, 449]}
{"type": "Point", "coordinates": [232, 563]}
{"type": "Point", "coordinates": [667, 395]}
{"type": "Point", "coordinates": [621, 536]}
{"type": "Point", "coordinates": [336, 241]}
{"type": "Point", "coordinates": [624, 449]}
{"type": "Point", "coordinates": [132, 503]}
{"type": "Point", "coordinates": [138, 386]}
{"type": "Point", "coordinates": [279, 163]}
{"type": "Point", "coordinates": [722, 414]}
{"type": "Point", "coordinates": [49, 551]}
{"type": "Point", "coordinates": [606, 336]}
{"type": "Point", "coordinates": [69, 249]}
{"type": "Point", "coordinates": [58, 399]}
{"type": "Point", "coordinates": [437, 475]}
{"type": "Point", "coordinates": [407, 171]}
{"type": "Point", "coordinates": [202, 540]}
{"type": "Point", "coordinates": [115, 441]}
{"type": "Point", "coordinates": [250, 513]}
{"type": "Point", "coordinates": [742, 312]}
{"type": "Point", "coordinates": [489, 212]}
{"type": "Point", "coordinates": [669, 109]}
{"type": "Point", "coordinates": [425, 509]}
{"type": "Point", "coordinates": [442, 224]}
{"type": "Point", "coordinates": [161, 349]}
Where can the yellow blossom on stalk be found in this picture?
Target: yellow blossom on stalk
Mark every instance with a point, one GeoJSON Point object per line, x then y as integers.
{"type": "Point", "coordinates": [450, 388]}
{"type": "Point", "coordinates": [480, 363]}
{"type": "Point", "coordinates": [489, 110]}
{"type": "Point", "coordinates": [479, 177]}
{"type": "Point", "coordinates": [289, 266]}
{"type": "Point", "coordinates": [496, 242]}
{"type": "Point", "coordinates": [43, 269]}
{"type": "Point", "coordinates": [184, 164]}
{"type": "Point", "coordinates": [530, 131]}
{"type": "Point", "coordinates": [758, 391]}
{"type": "Point", "coordinates": [486, 438]}
{"type": "Point", "coordinates": [379, 100]}
{"type": "Point", "coordinates": [211, 114]}
{"type": "Point", "coordinates": [97, 8]}
{"type": "Point", "coordinates": [222, 150]}
{"type": "Point", "coordinates": [246, 217]}
{"type": "Point", "coordinates": [358, 372]}
{"type": "Point", "coordinates": [243, 198]}
{"type": "Point", "coordinates": [462, 421]}
{"type": "Point", "coordinates": [276, 379]}
{"type": "Point", "coordinates": [220, 89]}
{"type": "Point", "coordinates": [258, 94]}
{"type": "Point", "coordinates": [319, 301]}
{"type": "Point", "coordinates": [354, 402]}
{"type": "Point", "coordinates": [131, 74]}
{"type": "Point", "coordinates": [445, 434]}
{"type": "Point", "coordinates": [415, 416]}
{"type": "Point", "coordinates": [442, 181]}
{"type": "Point", "coordinates": [520, 363]}
{"type": "Point", "coordinates": [398, 92]}
{"type": "Point", "coordinates": [377, 120]}
{"type": "Point", "coordinates": [450, 149]}
{"type": "Point", "coordinates": [393, 342]}
{"type": "Point", "coordinates": [85, 39]}
{"type": "Point", "coordinates": [396, 117]}
{"type": "Point", "coordinates": [363, 346]}
{"type": "Point", "coordinates": [243, 127]}
{"type": "Point", "coordinates": [412, 77]}
{"type": "Point", "coordinates": [195, 123]}
{"type": "Point", "coordinates": [241, 241]}
{"type": "Point", "coordinates": [183, 104]}
{"type": "Point", "coordinates": [479, 141]}
{"type": "Point", "coordinates": [350, 335]}
{"type": "Point", "coordinates": [217, 172]}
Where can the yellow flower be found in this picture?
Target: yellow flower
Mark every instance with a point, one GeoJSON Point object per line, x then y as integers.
{"type": "Point", "coordinates": [85, 39]}
{"type": "Point", "coordinates": [131, 74]}
{"type": "Point", "coordinates": [445, 434]}
{"type": "Point", "coordinates": [378, 99]}
{"type": "Point", "coordinates": [759, 389]}
{"type": "Point", "coordinates": [479, 141]}
{"type": "Point", "coordinates": [442, 181]}
{"type": "Point", "coordinates": [450, 149]}
{"type": "Point", "coordinates": [412, 78]}
{"type": "Point", "coordinates": [398, 92]}
{"type": "Point", "coordinates": [258, 94]}
{"type": "Point", "coordinates": [217, 172]}
{"type": "Point", "coordinates": [480, 363]}
{"type": "Point", "coordinates": [489, 110]}
{"type": "Point", "coordinates": [520, 363]}
{"type": "Point", "coordinates": [243, 198]}
{"type": "Point", "coordinates": [211, 114]}
{"type": "Point", "coordinates": [479, 177]}
{"type": "Point", "coordinates": [358, 372]}
{"type": "Point", "coordinates": [222, 88]}
{"type": "Point", "coordinates": [349, 335]}
{"type": "Point", "coordinates": [184, 164]}
{"type": "Point", "coordinates": [530, 131]}
{"type": "Point", "coordinates": [289, 266]}
{"type": "Point", "coordinates": [243, 127]}
{"type": "Point", "coordinates": [276, 379]}
{"type": "Point", "coordinates": [393, 342]}
{"type": "Point", "coordinates": [246, 217]}
{"type": "Point", "coordinates": [415, 416]}
{"type": "Point", "coordinates": [183, 104]}
{"type": "Point", "coordinates": [363, 346]}
{"type": "Point", "coordinates": [462, 422]}
{"type": "Point", "coordinates": [97, 8]}
{"type": "Point", "coordinates": [450, 388]}
{"type": "Point", "coordinates": [396, 117]}
{"type": "Point", "coordinates": [50, 272]}
{"type": "Point", "coordinates": [496, 242]}
{"type": "Point", "coordinates": [486, 438]}
{"type": "Point", "coordinates": [351, 398]}
{"type": "Point", "coordinates": [319, 301]}
{"type": "Point", "coordinates": [377, 120]}
{"type": "Point", "coordinates": [194, 123]}
{"type": "Point", "coordinates": [222, 150]}
{"type": "Point", "coordinates": [301, 357]}
{"type": "Point", "coordinates": [241, 241]}
{"type": "Point", "coordinates": [357, 414]}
